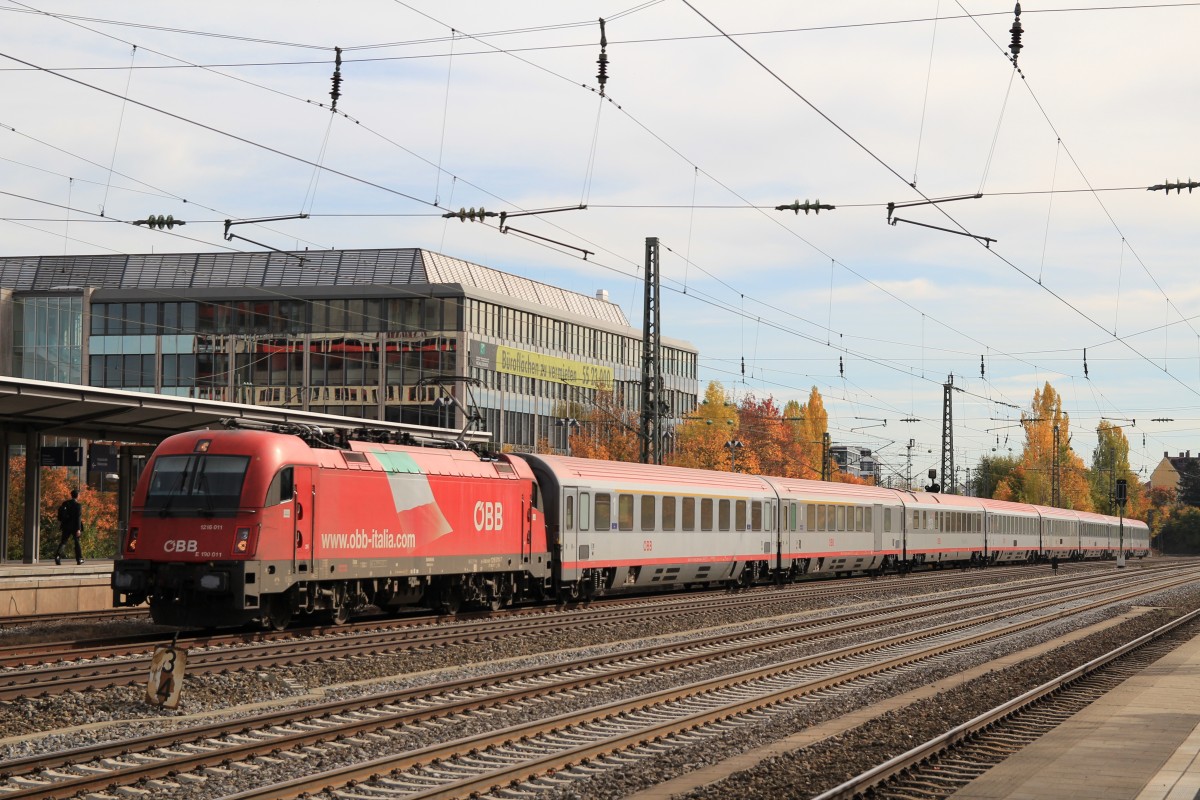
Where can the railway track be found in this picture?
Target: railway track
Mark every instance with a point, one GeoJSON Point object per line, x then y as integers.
{"type": "Point", "coordinates": [940, 766]}
{"type": "Point", "coordinates": [41, 669]}
{"type": "Point", "coordinates": [271, 740]}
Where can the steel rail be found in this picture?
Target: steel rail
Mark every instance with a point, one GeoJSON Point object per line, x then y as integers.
{"type": "Point", "coordinates": [274, 741]}
{"type": "Point", "coordinates": [923, 752]}
{"type": "Point", "coordinates": [519, 736]}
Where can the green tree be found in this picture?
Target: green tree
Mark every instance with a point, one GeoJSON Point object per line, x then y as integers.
{"type": "Point", "coordinates": [1110, 462]}
{"type": "Point", "coordinates": [991, 471]}
{"type": "Point", "coordinates": [1180, 534]}
{"type": "Point", "coordinates": [1189, 482]}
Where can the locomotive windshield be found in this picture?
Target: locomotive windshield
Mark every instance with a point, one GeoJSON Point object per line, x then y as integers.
{"type": "Point", "coordinates": [196, 484]}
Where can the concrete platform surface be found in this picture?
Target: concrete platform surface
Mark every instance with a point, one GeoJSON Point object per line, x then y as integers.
{"type": "Point", "coordinates": [45, 588]}
{"type": "Point", "coordinates": [1141, 741]}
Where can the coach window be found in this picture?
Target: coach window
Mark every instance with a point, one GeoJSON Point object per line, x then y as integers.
{"type": "Point", "coordinates": [569, 514]}
{"type": "Point", "coordinates": [603, 512]}
{"type": "Point", "coordinates": [841, 518]}
{"type": "Point", "coordinates": [585, 511]}
{"type": "Point", "coordinates": [810, 518]}
{"type": "Point", "coordinates": [756, 515]}
{"type": "Point", "coordinates": [648, 512]}
{"type": "Point", "coordinates": [858, 518]}
{"type": "Point", "coordinates": [821, 510]}
{"type": "Point", "coordinates": [916, 522]}
{"type": "Point", "coordinates": [624, 512]}
{"type": "Point", "coordinates": [689, 513]}
{"type": "Point", "coordinates": [792, 516]}
{"type": "Point", "coordinates": [668, 514]}
{"type": "Point", "coordinates": [739, 515]}
{"type": "Point", "coordinates": [706, 513]}
{"type": "Point", "coordinates": [281, 489]}
{"type": "Point", "coordinates": [723, 514]}
{"type": "Point", "coordinates": [887, 520]}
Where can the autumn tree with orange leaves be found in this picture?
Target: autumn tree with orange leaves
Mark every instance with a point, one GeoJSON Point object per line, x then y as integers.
{"type": "Point", "coordinates": [99, 539]}
{"type": "Point", "coordinates": [607, 431]}
{"type": "Point", "coordinates": [701, 437]}
{"type": "Point", "coordinates": [1031, 481]}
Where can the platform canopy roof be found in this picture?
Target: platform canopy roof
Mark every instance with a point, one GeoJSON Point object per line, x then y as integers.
{"type": "Point", "coordinates": [65, 409]}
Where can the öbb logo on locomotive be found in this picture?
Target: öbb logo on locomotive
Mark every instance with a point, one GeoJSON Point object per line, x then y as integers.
{"type": "Point", "coordinates": [489, 516]}
{"type": "Point", "coordinates": [181, 546]}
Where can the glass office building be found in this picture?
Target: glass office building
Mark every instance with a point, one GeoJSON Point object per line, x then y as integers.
{"type": "Point", "coordinates": [362, 333]}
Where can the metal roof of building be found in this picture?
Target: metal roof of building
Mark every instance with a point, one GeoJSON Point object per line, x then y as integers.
{"type": "Point", "coordinates": [313, 268]}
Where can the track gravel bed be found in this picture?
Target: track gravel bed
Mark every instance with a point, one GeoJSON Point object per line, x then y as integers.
{"type": "Point", "coordinates": [809, 771]}
{"type": "Point", "coordinates": [236, 694]}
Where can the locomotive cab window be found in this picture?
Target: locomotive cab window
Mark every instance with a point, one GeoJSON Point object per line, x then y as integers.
{"type": "Point", "coordinates": [282, 488]}
{"type": "Point", "coordinates": [200, 484]}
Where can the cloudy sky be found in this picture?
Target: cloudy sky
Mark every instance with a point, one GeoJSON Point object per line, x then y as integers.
{"type": "Point", "coordinates": [713, 114]}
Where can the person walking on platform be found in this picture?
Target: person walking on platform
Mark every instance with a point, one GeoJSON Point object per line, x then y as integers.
{"type": "Point", "coordinates": [1054, 564]}
{"type": "Point", "coordinates": [70, 522]}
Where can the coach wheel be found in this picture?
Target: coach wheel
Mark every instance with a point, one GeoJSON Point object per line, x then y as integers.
{"type": "Point", "coordinates": [278, 612]}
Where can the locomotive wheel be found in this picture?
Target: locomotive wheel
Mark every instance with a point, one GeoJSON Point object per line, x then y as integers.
{"type": "Point", "coordinates": [278, 614]}
{"type": "Point", "coordinates": [341, 614]}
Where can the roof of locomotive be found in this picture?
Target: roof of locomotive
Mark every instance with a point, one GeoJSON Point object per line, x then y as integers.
{"type": "Point", "coordinates": [277, 449]}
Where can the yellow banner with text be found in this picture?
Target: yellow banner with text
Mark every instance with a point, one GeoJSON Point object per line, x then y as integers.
{"type": "Point", "coordinates": [551, 368]}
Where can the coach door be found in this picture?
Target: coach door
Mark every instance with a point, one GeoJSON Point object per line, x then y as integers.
{"type": "Point", "coordinates": [303, 511]}
{"type": "Point", "coordinates": [877, 528]}
{"type": "Point", "coordinates": [572, 519]}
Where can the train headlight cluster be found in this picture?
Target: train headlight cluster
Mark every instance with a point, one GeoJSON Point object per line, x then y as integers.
{"type": "Point", "coordinates": [131, 542]}
{"type": "Point", "coordinates": [242, 542]}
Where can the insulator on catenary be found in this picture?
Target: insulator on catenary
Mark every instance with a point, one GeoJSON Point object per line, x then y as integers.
{"type": "Point", "coordinates": [337, 78]}
{"type": "Point", "coordinates": [805, 207]}
{"type": "Point", "coordinates": [1085, 372]}
{"type": "Point", "coordinates": [981, 372]}
{"type": "Point", "coordinates": [159, 222]}
{"type": "Point", "coordinates": [1016, 32]}
{"type": "Point", "coordinates": [1178, 186]}
{"type": "Point", "coordinates": [602, 75]}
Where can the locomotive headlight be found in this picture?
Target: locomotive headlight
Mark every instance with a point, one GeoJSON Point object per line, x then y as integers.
{"type": "Point", "coordinates": [131, 542]}
{"type": "Point", "coordinates": [242, 542]}
{"type": "Point", "coordinates": [213, 581]}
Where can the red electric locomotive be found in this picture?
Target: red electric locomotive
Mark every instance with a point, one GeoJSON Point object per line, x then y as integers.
{"type": "Point", "coordinates": [233, 526]}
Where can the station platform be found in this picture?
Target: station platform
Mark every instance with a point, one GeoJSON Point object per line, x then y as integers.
{"type": "Point", "coordinates": [1141, 741]}
{"type": "Point", "coordinates": [45, 588]}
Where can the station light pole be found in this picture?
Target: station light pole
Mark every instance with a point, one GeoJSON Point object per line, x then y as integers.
{"type": "Point", "coordinates": [568, 424]}
{"type": "Point", "coordinates": [733, 446]}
